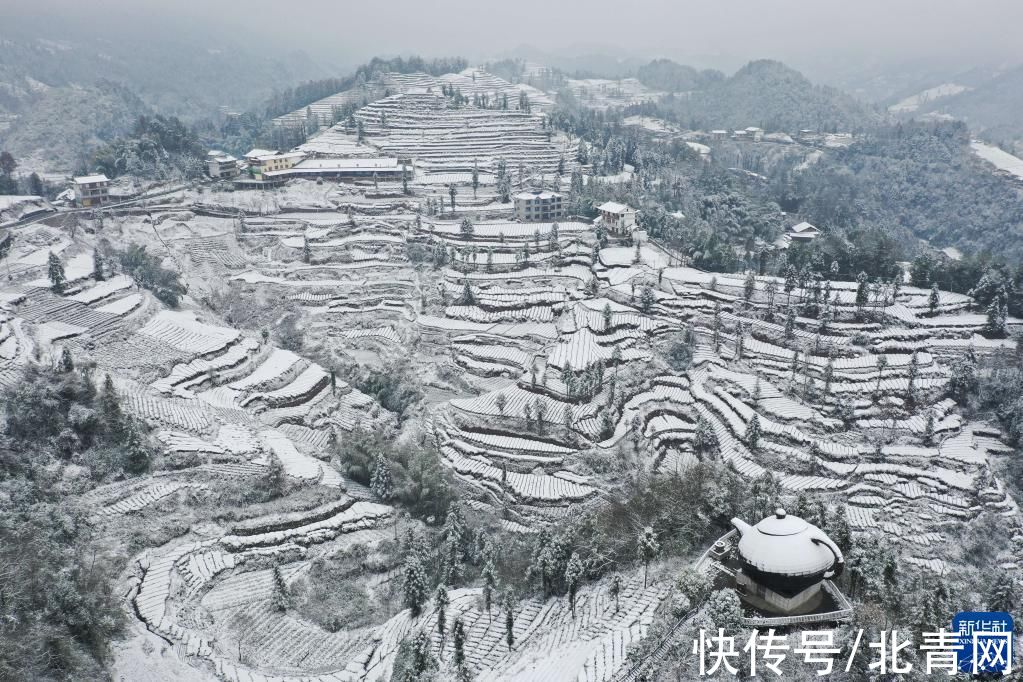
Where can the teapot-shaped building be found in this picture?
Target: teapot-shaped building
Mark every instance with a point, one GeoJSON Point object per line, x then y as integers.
{"type": "Point", "coordinates": [784, 561]}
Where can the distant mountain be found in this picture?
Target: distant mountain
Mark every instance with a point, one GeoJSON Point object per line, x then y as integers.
{"type": "Point", "coordinates": [185, 74]}
{"type": "Point", "coordinates": [64, 125]}
{"type": "Point", "coordinates": [669, 76]}
{"type": "Point", "coordinates": [772, 96]}
{"type": "Point", "coordinates": [993, 108]}
{"type": "Point", "coordinates": [65, 91]}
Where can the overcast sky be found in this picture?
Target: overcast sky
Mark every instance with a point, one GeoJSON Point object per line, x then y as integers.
{"type": "Point", "coordinates": [718, 33]}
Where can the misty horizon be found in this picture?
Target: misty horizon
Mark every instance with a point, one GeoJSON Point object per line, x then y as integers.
{"type": "Point", "coordinates": [825, 40]}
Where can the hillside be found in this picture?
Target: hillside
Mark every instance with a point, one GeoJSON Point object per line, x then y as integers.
{"type": "Point", "coordinates": [772, 96]}
{"type": "Point", "coordinates": [89, 117]}
{"type": "Point", "coordinates": [992, 108]}
{"type": "Point", "coordinates": [664, 74]}
{"type": "Point", "coordinates": [183, 74]}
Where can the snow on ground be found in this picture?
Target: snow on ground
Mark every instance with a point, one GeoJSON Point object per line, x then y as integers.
{"type": "Point", "coordinates": [1001, 159]}
{"type": "Point", "coordinates": [914, 102]}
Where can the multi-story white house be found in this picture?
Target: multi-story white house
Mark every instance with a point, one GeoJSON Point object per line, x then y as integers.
{"type": "Point", "coordinates": [91, 190]}
{"type": "Point", "coordinates": [539, 206]}
{"type": "Point", "coordinates": [221, 165]}
{"type": "Point", "coordinates": [265, 161]}
{"type": "Point", "coordinates": [617, 218]}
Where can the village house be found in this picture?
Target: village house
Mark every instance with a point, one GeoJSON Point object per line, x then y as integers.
{"type": "Point", "coordinates": [91, 190]}
{"type": "Point", "coordinates": [344, 170]}
{"type": "Point", "coordinates": [262, 161]}
{"type": "Point", "coordinates": [803, 233]}
{"type": "Point", "coordinates": [538, 206]}
{"type": "Point", "coordinates": [618, 218]}
{"type": "Point", "coordinates": [221, 165]}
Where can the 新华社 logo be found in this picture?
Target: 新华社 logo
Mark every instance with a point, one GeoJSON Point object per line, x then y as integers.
{"type": "Point", "coordinates": [985, 641]}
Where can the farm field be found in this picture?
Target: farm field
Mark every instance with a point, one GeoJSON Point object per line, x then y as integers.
{"type": "Point", "coordinates": [369, 393]}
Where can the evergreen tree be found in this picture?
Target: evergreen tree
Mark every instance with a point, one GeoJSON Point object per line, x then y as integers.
{"type": "Point", "coordinates": [790, 284]}
{"type": "Point", "coordinates": [648, 548]}
{"type": "Point", "coordinates": [380, 483]}
{"type": "Point", "coordinates": [790, 323]}
{"type": "Point", "coordinates": [458, 633]}
{"type": "Point", "coordinates": [110, 409]}
{"type": "Point", "coordinates": [307, 253]}
{"type": "Point", "coordinates": [928, 437]}
{"type": "Point", "coordinates": [509, 621]}
{"type": "Point", "coordinates": [573, 576]}
{"type": "Point", "coordinates": [753, 433]}
{"type": "Point", "coordinates": [647, 299]}
{"type": "Point", "coordinates": [422, 657]}
{"type": "Point", "coordinates": [932, 299]}
{"type": "Point", "coordinates": [829, 375]}
{"type": "Point", "coordinates": [279, 598]}
{"type": "Point", "coordinates": [615, 589]}
{"type": "Point", "coordinates": [717, 327]}
{"type": "Point", "coordinates": [882, 364]}
{"type": "Point", "coordinates": [475, 179]}
{"type": "Point", "coordinates": [467, 297]}
{"type": "Point", "coordinates": [414, 584]}
{"type": "Point", "coordinates": [606, 315]}
{"type": "Point", "coordinates": [489, 584]}
{"type": "Point", "coordinates": [451, 193]}
{"type": "Point", "coordinates": [98, 265]}
{"type": "Point", "coordinates": [466, 228]}
{"type": "Point", "coordinates": [749, 286]}
{"type": "Point", "coordinates": [55, 271]}
{"type": "Point", "coordinates": [441, 602]}
{"type": "Point", "coordinates": [67, 364]}
{"type": "Point", "coordinates": [137, 455]}
{"type": "Point", "coordinates": [275, 480]}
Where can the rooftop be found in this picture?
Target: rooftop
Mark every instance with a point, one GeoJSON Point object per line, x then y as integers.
{"type": "Point", "coordinates": [613, 207]}
{"type": "Point", "coordinates": [803, 227]}
{"type": "Point", "coordinates": [89, 179]}
{"type": "Point", "coordinates": [537, 195]}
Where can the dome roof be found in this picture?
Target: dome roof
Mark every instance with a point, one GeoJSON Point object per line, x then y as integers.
{"type": "Point", "coordinates": [787, 545]}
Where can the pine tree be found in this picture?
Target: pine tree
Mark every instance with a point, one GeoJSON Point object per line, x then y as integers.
{"type": "Point", "coordinates": [882, 364]}
{"type": "Point", "coordinates": [414, 584]}
{"type": "Point", "coordinates": [467, 297]}
{"type": "Point", "coordinates": [67, 364]}
{"type": "Point", "coordinates": [647, 299]}
{"type": "Point", "coordinates": [615, 589]}
{"type": "Point", "coordinates": [606, 315]}
{"type": "Point", "coordinates": [55, 271]}
{"type": "Point", "coordinates": [829, 374]}
{"type": "Point", "coordinates": [932, 299]}
{"type": "Point", "coordinates": [753, 433]}
{"type": "Point", "coordinates": [110, 409]}
{"type": "Point", "coordinates": [380, 482]}
{"type": "Point", "coordinates": [441, 602]}
{"type": "Point", "coordinates": [466, 228]}
{"type": "Point", "coordinates": [279, 599]}
{"type": "Point", "coordinates": [749, 286]}
{"type": "Point", "coordinates": [98, 264]}
{"type": "Point", "coordinates": [489, 584]}
{"type": "Point", "coordinates": [458, 633]}
{"type": "Point", "coordinates": [648, 548]}
{"type": "Point", "coordinates": [717, 327]}
{"type": "Point", "coordinates": [509, 621]}
{"type": "Point", "coordinates": [451, 193]}
{"type": "Point", "coordinates": [307, 254]}
{"type": "Point", "coordinates": [573, 576]}
{"type": "Point", "coordinates": [422, 656]}
{"type": "Point", "coordinates": [928, 437]}
{"type": "Point", "coordinates": [790, 323]}
{"type": "Point", "coordinates": [137, 455]}
{"type": "Point", "coordinates": [275, 480]}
